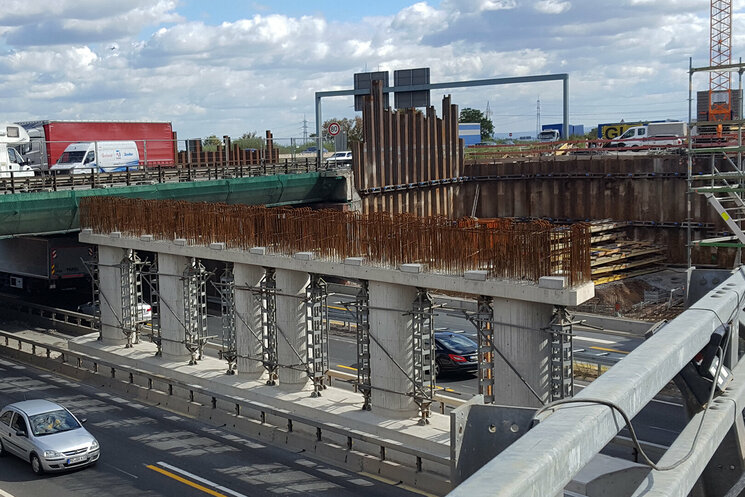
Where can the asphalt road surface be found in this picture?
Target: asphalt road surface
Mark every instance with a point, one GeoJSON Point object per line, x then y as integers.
{"type": "Point", "coordinates": [149, 452]}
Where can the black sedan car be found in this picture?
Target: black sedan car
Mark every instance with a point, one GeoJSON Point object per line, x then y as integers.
{"type": "Point", "coordinates": [455, 353]}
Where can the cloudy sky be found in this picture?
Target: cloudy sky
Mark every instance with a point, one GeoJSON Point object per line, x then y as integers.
{"type": "Point", "coordinates": [229, 67]}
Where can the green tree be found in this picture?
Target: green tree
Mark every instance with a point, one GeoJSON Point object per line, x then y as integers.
{"type": "Point", "coordinates": [469, 115]}
{"type": "Point", "coordinates": [352, 127]}
{"type": "Point", "coordinates": [211, 143]}
{"type": "Point", "coordinates": [250, 140]}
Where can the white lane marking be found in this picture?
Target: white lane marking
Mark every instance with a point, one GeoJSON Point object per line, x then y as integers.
{"type": "Point", "coordinates": [200, 479]}
{"type": "Point", "coordinates": [332, 472]}
{"type": "Point", "coordinates": [596, 340]}
{"type": "Point", "coordinates": [121, 470]}
{"type": "Point", "coordinates": [5, 494]}
{"type": "Point", "coordinates": [663, 429]}
{"type": "Point", "coordinates": [361, 482]}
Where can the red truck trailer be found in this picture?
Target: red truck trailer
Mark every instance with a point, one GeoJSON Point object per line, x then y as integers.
{"type": "Point", "coordinates": [155, 140]}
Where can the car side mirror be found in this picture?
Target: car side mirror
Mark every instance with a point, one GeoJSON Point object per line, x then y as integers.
{"type": "Point", "coordinates": [83, 420]}
{"type": "Point", "coordinates": [20, 433]}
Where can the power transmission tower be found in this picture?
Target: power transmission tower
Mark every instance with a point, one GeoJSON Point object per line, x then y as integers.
{"type": "Point", "coordinates": [305, 129]}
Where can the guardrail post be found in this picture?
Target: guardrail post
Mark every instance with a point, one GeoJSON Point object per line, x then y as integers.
{"type": "Point", "coordinates": [237, 409]}
{"type": "Point", "coordinates": [113, 373]}
{"type": "Point", "coordinates": [349, 443]}
{"type": "Point", "coordinates": [289, 425]}
{"type": "Point", "coordinates": [382, 453]}
{"type": "Point", "coordinates": [318, 434]}
{"type": "Point", "coordinates": [214, 403]}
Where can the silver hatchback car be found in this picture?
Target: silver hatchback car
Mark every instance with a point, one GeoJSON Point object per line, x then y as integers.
{"type": "Point", "coordinates": [47, 435]}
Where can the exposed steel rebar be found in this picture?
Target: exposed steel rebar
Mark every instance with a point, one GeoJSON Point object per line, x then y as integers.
{"type": "Point", "coordinates": [505, 248]}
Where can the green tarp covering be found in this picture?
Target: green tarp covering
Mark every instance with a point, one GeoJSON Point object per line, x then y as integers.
{"type": "Point", "coordinates": [57, 212]}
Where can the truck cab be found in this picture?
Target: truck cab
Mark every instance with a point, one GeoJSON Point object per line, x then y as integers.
{"type": "Point", "coordinates": [548, 135]}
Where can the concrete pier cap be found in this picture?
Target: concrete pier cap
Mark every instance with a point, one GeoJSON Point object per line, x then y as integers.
{"type": "Point", "coordinates": [550, 290]}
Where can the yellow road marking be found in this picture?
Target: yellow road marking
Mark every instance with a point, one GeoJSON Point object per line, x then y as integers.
{"type": "Point", "coordinates": [185, 481]}
{"type": "Point", "coordinates": [609, 350]}
{"type": "Point", "coordinates": [355, 369]}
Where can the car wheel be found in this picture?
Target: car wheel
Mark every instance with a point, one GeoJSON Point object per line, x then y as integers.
{"type": "Point", "coordinates": [36, 466]}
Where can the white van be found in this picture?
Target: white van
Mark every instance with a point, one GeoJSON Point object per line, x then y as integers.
{"type": "Point", "coordinates": [102, 156]}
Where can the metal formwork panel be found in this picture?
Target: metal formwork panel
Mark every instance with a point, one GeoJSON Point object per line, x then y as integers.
{"type": "Point", "coordinates": [270, 355]}
{"type": "Point", "coordinates": [362, 315]}
{"type": "Point", "coordinates": [423, 343]}
{"type": "Point", "coordinates": [317, 329]}
{"type": "Point", "coordinates": [226, 289]}
{"type": "Point", "coordinates": [485, 328]}
{"type": "Point", "coordinates": [195, 308]}
{"type": "Point", "coordinates": [562, 369]}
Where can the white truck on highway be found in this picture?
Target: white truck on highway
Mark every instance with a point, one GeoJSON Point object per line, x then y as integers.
{"type": "Point", "coordinates": [12, 163]}
{"type": "Point", "coordinates": [668, 134]}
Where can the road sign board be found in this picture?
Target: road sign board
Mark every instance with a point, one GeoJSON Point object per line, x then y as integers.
{"type": "Point", "coordinates": [334, 129]}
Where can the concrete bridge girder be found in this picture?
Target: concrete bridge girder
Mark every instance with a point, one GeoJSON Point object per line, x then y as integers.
{"type": "Point", "coordinates": [520, 313]}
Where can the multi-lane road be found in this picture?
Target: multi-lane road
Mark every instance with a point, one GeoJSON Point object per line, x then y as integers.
{"type": "Point", "coordinates": [149, 452]}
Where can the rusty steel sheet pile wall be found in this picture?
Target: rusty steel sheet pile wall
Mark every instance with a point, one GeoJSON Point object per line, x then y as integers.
{"type": "Point", "coordinates": [229, 154]}
{"type": "Point", "coordinates": [647, 191]}
{"type": "Point", "coordinates": [408, 161]}
{"type": "Point", "coordinates": [511, 250]}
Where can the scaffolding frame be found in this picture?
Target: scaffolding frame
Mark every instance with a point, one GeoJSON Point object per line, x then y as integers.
{"type": "Point", "coordinates": [364, 369]}
{"type": "Point", "coordinates": [195, 309]}
{"type": "Point", "coordinates": [423, 344]}
{"type": "Point", "coordinates": [482, 320]}
{"type": "Point", "coordinates": [269, 351]}
{"type": "Point", "coordinates": [561, 330]}
{"type": "Point", "coordinates": [229, 345]}
{"type": "Point", "coordinates": [317, 332]}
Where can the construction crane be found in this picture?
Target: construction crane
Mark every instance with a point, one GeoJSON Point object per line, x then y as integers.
{"type": "Point", "coordinates": [720, 54]}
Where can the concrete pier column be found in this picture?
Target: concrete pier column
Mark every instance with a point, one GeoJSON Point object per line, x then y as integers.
{"type": "Point", "coordinates": [392, 328]}
{"type": "Point", "coordinates": [518, 336]}
{"type": "Point", "coordinates": [110, 294]}
{"type": "Point", "coordinates": [248, 320]}
{"type": "Point", "coordinates": [171, 288]}
{"type": "Point", "coordinates": [291, 310]}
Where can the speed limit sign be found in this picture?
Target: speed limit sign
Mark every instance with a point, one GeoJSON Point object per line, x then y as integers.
{"type": "Point", "coordinates": [334, 129]}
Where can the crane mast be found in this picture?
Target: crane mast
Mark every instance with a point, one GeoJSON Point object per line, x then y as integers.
{"type": "Point", "coordinates": [720, 54]}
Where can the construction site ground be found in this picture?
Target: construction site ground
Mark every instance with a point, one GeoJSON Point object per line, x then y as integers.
{"type": "Point", "coordinates": [651, 297]}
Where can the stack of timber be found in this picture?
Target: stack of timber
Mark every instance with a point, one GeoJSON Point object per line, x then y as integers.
{"type": "Point", "coordinates": [614, 258]}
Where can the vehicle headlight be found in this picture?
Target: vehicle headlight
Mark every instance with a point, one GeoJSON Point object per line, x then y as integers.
{"type": "Point", "coordinates": [94, 445]}
{"type": "Point", "coordinates": [52, 454]}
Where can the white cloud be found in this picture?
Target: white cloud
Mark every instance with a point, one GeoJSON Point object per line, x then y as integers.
{"type": "Point", "coordinates": [552, 6]}
{"type": "Point", "coordinates": [261, 71]}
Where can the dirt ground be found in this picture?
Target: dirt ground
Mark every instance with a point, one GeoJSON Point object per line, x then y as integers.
{"type": "Point", "coordinates": [652, 296]}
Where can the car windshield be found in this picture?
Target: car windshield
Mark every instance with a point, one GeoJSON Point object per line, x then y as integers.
{"type": "Point", "coordinates": [71, 157]}
{"type": "Point", "coordinates": [52, 422]}
{"type": "Point", "coordinates": [458, 344]}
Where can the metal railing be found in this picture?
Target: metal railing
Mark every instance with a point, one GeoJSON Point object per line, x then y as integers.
{"type": "Point", "coordinates": [568, 438]}
{"type": "Point", "coordinates": [15, 183]}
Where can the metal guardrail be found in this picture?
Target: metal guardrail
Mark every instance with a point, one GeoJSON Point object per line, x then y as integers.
{"type": "Point", "coordinates": [152, 175]}
{"type": "Point", "coordinates": [240, 405]}
{"type": "Point", "coordinates": [84, 323]}
{"type": "Point", "coordinates": [569, 437]}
